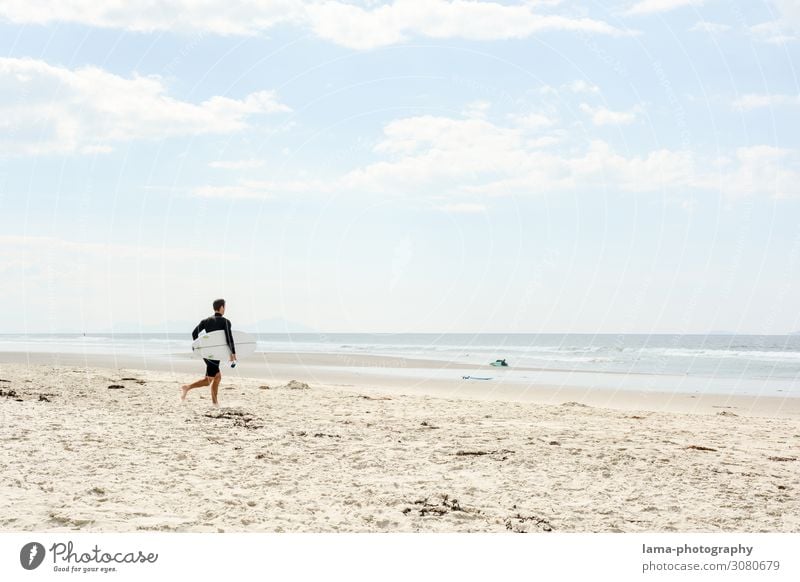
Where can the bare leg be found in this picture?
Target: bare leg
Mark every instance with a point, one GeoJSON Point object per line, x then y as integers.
{"type": "Point", "coordinates": [215, 388]}
{"type": "Point", "coordinates": [186, 387]}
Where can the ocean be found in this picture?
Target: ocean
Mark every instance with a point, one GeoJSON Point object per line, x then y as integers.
{"type": "Point", "coordinates": [755, 363]}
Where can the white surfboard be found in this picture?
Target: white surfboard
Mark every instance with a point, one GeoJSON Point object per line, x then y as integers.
{"type": "Point", "coordinates": [212, 345]}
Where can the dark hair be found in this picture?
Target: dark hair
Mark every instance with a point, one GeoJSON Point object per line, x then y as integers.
{"type": "Point", "coordinates": [218, 303]}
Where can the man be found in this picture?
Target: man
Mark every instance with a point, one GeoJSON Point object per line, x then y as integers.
{"type": "Point", "coordinates": [213, 376]}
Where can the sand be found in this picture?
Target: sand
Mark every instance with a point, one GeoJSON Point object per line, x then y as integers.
{"type": "Point", "coordinates": [355, 455]}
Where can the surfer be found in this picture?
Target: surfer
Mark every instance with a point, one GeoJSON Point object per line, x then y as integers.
{"type": "Point", "coordinates": [216, 322]}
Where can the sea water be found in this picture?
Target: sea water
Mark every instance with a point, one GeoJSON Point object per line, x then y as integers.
{"type": "Point", "coordinates": [760, 364]}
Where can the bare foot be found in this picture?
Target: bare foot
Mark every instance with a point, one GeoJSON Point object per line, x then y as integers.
{"type": "Point", "coordinates": [215, 404]}
{"type": "Point", "coordinates": [184, 391]}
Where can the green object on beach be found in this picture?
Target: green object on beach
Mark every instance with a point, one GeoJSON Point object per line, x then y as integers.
{"type": "Point", "coordinates": [499, 363]}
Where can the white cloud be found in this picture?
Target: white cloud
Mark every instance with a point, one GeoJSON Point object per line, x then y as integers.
{"type": "Point", "coordinates": [477, 109]}
{"type": "Point", "coordinates": [344, 23]}
{"type": "Point", "coordinates": [774, 32]}
{"type": "Point", "coordinates": [603, 116]}
{"type": "Point", "coordinates": [49, 109]}
{"type": "Point", "coordinates": [656, 6]}
{"type": "Point", "coordinates": [355, 27]}
{"type": "Point", "coordinates": [581, 86]}
{"type": "Point", "coordinates": [710, 27]}
{"type": "Point", "coordinates": [485, 159]}
{"type": "Point", "coordinates": [429, 147]}
{"type": "Point", "coordinates": [236, 164]}
{"type": "Point", "coordinates": [534, 121]}
{"type": "Point", "coordinates": [598, 169]}
{"type": "Point", "coordinates": [231, 17]}
{"type": "Point", "coordinates": [446, 160]}
{"type": "Point", "coordinates": [756, 101]}
{"type": "Point", "coordinates": [535, 3]}
{"type": "Point", "coordinates": [785, 28]}
{"type": "Point", "coordinates": [756, 170]}
{"type": "Point", "coordinates": [546, 140]}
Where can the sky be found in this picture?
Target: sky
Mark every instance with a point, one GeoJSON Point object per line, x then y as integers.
{"type": "Point", "coordinates": [406, 166]}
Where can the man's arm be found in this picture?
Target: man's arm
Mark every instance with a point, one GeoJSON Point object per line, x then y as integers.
{"type": "Point", "coordinates": [196, 331]}
{"type": "Point", "coordinates": [229, 337]}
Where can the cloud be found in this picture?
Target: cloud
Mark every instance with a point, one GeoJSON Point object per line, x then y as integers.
{"type": "Point", "coordinates": [476, 109]}
{"type": "Point", "coordinates": [774, 32]}
{"type": "Point", "coordinates": [456, 157]}
{"type": "Point", "coordinates": [656, 6]}
{"type": "Point", "coordinates": [710, 27]}
{"type": "Point", "coordinates": [418, 150]}
{"type": "Point", "coordinates": [236, 164]}
{"type": "Point", "coordinates": [603, 116]}
{"type": "Point", "coordinates": [232, 17]}
{"type": "Point", "coordinates": [598, 169]}
{"type": "Point", "coordinates": [756, 170]}
{"type": "Point", "coordinates": [48, 109]}
{"type": "Point", "coordinates": [359, 28]}
{"type": "Point", "coordinates": [343, 23]}
{"type": "Point", "coordinates": [429, 147]}
{"type": "Point", "coordinates": [581, 86]}
{"type": "Point", "coordinates": [534, 121]}
{"type": "Point", "coordinates": [785, 28]}
{"type": "Point", "coordinates": [755, 101]}
{"type": "Point", "coordinates": [445, 160]}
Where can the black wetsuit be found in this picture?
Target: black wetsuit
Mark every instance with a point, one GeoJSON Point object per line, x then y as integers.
{"type": "Point", "coordinates": [215, 323]}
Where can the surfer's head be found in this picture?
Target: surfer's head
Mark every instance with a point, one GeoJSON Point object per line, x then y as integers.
{"type": "Point", "coordinates": [219, 306]}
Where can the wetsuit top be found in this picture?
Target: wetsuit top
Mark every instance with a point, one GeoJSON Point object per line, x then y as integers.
{"type": "Point", "coordinates": [216, 323]}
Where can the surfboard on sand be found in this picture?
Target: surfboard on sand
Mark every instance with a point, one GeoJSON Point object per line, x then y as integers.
{"type": "Point", "coordinates": [212, 345]}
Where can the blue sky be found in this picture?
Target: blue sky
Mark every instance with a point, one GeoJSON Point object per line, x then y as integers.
{"type": "Point", "coordinates": [402, 166]}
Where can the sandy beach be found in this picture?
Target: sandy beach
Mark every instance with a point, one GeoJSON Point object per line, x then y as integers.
{"type": "Point", "coordinates": [103, 444]}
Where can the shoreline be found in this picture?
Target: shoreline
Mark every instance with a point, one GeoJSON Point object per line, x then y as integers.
{"type": "Point", "coordinates": [374, 373]}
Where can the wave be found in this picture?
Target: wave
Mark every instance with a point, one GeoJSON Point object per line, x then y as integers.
{"type": "Point", "coordinates": [724, 353]}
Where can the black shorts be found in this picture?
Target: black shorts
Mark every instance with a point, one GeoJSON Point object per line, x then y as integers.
{"type": "Point", "coordinates": [212, 367]}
